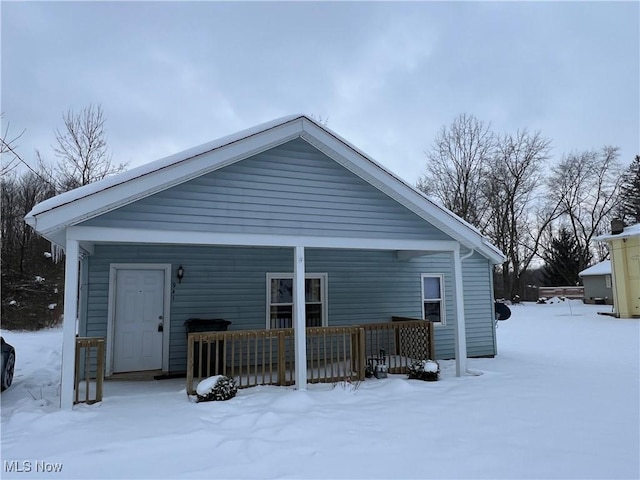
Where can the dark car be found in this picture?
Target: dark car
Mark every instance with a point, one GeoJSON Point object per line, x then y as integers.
{"type": "Point", "coordinates": [8, 359]}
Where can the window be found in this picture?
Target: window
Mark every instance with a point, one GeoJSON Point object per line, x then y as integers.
{"type": "Point", "coordinates": [280, 300]}
{"type": "Point", "coordinates": [433, 298]}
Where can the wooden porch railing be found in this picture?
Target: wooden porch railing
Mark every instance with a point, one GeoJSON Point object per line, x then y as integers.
{"type": "Point", "coordinates": [89, 369]}
{"type": "Point", "coordinates": [335, 354]}
{"type": "Point", "coordinates": [266, 357]}
{"type": "Point", "coordinates": [404, 341]}
{"type": "Point", "coordinates": [252, 357]}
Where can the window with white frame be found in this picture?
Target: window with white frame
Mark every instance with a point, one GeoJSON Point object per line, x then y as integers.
{"type": "Point", "coordinates": [433, 298]}
{"type": "Point", "coordinates": [280, 299]}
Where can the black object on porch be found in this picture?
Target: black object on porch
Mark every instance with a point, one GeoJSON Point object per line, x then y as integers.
{"type": "Point", "coordinates": [208, 325]}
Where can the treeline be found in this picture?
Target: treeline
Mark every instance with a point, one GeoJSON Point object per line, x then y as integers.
{"type": "Point", "coordinates": [533, 207]}
{"type": "Point", "coordinates": [508, 185]}
{"type": "Point", "coordinates": [32, 279]}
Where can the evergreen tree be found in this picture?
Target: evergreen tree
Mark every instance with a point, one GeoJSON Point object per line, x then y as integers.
{"type": "Point", "coordinates": [563, 260]}
{"type": "Point", "coordinates": [630, 193]}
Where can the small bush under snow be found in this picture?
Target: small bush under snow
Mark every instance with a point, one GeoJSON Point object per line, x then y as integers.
{"type": "Point", "coordinates": [428, 370]}
{"type": "Point", "coordinates": [218, 387]}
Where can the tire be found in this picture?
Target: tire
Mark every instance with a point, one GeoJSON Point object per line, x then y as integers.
{"type": "Point", "coordinates": [7, 375]}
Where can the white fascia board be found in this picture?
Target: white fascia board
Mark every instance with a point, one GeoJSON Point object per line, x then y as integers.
{"type": "Point", "coordinates": [130, 235]}
{"type": "Point", "coordinates": [378, 176]}
{"type": "Point", "coordinates": [101, 201]}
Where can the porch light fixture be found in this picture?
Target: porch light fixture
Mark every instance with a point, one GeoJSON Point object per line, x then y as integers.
{"type": "Point", "coordinates": [180, 274]}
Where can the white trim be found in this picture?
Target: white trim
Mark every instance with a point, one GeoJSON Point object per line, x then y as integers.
{"type": "Point", "coordinates": [375, 174]}
{"type": "Point", "coordinates": [166, 333]}
{"type": "Point", "coordinates": [80, 205]}
{"type": "Point", "coordinates": [299, 319]}
{"type": "Point", "coordinates": [71, 279]}
{"type": "Point", "coordinates": [54, 215]}
{"type": "Point", "coordinates": [130, 235]}
{"type": "Point", "coordinates": [439, 276]}
{"type": "Point", "coordinates": [460, 326]}
{"type": "Point", "coordinates": [323, 285]}
{"type": "Point", "coordinates": [83, 294]}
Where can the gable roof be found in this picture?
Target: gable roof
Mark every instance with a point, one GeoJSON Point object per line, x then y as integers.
{"type": "Point", "coordinates": [51, 217]}
{"type": "Point", "coordinates": [602, 268]}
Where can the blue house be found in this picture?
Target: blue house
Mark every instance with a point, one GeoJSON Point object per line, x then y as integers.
{"type": "Point", "coordinates": [285, 224]}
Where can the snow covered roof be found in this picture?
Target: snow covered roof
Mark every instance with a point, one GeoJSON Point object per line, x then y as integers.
{"type": "Point", "coordinates": [149, 168]}
{"type": "Point", "coordinates": [51, 217]}
{"type": "Point", "coordinates": [602, 268]}
{"type": "Point", "coordinates": [630, 231]}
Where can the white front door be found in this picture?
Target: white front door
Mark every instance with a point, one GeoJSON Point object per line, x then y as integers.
{"type": "Point", "coordinates": [138, 323]}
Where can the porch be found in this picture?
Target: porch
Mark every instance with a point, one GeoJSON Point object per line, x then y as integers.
{"type": "Point", "coordinates": [210, 230]}
{"type": "Point", "coordinates": [267, 356]}
{"type": "Point", "coordinates": [333, 354]}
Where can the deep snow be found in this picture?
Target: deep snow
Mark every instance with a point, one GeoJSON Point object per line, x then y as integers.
{"type": "Point", "coordinates": [561, 400]}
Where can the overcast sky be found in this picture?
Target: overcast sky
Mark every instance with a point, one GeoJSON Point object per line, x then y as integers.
{"type": "Point", "coordinates": [387, 76]}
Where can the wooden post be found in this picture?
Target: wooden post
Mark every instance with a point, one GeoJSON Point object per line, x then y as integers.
{"type": "Point", "coordinates": [431, 347]}
{"type": "Point", "coordinates": [190, 341]}
{"type": "Point", "coordinates": [76, 380]}
{"type": "Point", "coordinates": [281, 359]}
{"type": "Point", "coordinates": [362, 360]}
{"type": "Point", "coordinates": [87, 368]}
{"type": "Point", "coordinates": [100, 370]}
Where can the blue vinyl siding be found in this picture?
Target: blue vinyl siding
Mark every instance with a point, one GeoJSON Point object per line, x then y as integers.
{"type": "Point", "coordinates": [363, 287]}
{"type": "Point", "coordinates": [478, 306]}
{"type": "Point", "coordinates": [292, 189]}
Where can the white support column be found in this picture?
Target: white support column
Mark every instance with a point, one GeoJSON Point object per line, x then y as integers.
{"type": "Point", "coordinates": [460, 331]}
{"type": "Point", "coordinates": [299, 319]}
{"type": "Point", "coordinates": [71, 277]}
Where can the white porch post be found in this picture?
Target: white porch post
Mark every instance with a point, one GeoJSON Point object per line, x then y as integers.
{"type": "Point", "coordinates": [460, 331]}
{"type": "Point", "coordinates": [69, 323]}
{"type": "Point", "coordinates": [299, 319]}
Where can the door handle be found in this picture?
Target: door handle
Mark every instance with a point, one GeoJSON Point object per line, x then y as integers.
{"type": "Point", "coordinates": [160, 327]}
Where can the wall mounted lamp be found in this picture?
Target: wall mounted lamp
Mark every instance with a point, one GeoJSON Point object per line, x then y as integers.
{"type": "Point", "coordinates": [180, 273]}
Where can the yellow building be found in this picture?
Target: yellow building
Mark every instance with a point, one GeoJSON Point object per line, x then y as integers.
{"type": "Point", "coordinates": [624, 247]}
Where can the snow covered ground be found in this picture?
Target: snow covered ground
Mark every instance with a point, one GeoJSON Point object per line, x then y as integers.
{"type": "Point", "coordinates": [561, 400]}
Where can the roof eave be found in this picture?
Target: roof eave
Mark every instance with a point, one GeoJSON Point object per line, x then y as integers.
{"type": "Point", "coordinates": [90, 201]}
{"type": "Point", "coordinates": [371, 171]}
{"type": "Point", "coordinates": [52, 217]}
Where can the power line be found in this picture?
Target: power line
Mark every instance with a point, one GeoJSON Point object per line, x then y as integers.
{"type": "Point", "coordinates": [7, 147]}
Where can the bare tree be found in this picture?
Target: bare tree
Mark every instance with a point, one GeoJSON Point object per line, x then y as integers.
{"type": "Point", "coordinates": [82, 149]}
{"type": "Point", "coordinates": [8, 155]}
{"type": "Point", "coordinates": [19, 195]}
{"type": "Point", "coordinates": [457, 167]}
{"type": "Point", "coordinates": [586, 185]}
{"type": "Point", "coordinates": [32, 284]}
{"type": "Point", "coordinates": [517, 211]}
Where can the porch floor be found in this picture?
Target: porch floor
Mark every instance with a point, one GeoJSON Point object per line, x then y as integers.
{"type": "Point", "coordinates": [134, 376]}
